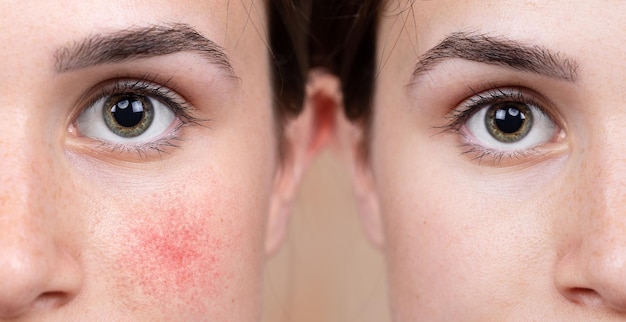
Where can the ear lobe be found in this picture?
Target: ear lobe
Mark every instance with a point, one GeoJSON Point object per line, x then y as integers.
{"type": "Point", "coordinates": [350, 138]}
{"type": "Point", "coordinates": [305, 137]}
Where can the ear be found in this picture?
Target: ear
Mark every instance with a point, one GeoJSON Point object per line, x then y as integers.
{"type": "Point", "coordinates": [304, 138]}
{"type": "Point", "coordinates": [351, 143]}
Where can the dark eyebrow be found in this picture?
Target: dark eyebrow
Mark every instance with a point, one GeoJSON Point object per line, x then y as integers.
{"type": "Point", "coordinates": [498, 51]}
{"type": "Point", "coordinates": [139, 42]}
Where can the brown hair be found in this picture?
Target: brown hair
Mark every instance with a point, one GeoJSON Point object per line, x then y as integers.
{"type": "Point", "coordinates": [339, 35]}
{"type": "Point", "coordinates": [343, 40]}
{"type": "Point", "coordinates": [288, 33]}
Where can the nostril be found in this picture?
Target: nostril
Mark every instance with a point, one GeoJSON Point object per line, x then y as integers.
{"type": "Point", "coordinates": [43, 302]}
{"type": "Point", "coordinates": [36, 275]}
{"type": "Point", "coordinates": [51, 300]}
{"type": "Point", "coordinates": [585, 296]}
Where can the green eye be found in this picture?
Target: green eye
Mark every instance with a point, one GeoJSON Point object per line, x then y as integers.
{"type": "Point", "coordinates": [128, 115]}
{"type": "Point", "coordinates": [509, 122]}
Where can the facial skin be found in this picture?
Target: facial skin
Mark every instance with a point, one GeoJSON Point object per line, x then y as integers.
{"type": "Point", "coordinates": [170, 226]}
{"type": "Point", "coordinates": [473, 229]}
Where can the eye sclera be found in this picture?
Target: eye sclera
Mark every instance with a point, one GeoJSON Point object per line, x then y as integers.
{"type": "Point", "coordinates": [469, 118]}
{"type": "Point", "coordinates": [94, 123]}
{"type": "Point", "coordinates": [172, 113]}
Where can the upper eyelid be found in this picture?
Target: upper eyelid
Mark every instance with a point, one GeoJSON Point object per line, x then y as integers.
{"type": "Point", "coordinates": [148, 85]}
{"type": "Point", "coordinates": [502, 93]}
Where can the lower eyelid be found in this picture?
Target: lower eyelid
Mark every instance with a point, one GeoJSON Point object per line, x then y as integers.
{"type": "Point", "coordinates": [147, 85]}
{"type": "Point", "coordinates": [134, 152]}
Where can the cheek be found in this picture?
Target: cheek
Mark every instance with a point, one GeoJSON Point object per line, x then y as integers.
{"type": "Point", "coordinates": [178, 254]}
{"type": "Point", "coordinates": [487, 229]}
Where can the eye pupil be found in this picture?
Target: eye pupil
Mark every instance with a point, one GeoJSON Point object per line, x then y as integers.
{"type": "Point", "coordinates": [128, 115]}
{"type": "Point", "coordinates": [509, 121]}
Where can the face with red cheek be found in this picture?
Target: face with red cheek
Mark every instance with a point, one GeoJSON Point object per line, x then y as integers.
{"type": "Point", "coordinates": [140, 161]}
{"type": "Point", "coordinates": [495, 178]}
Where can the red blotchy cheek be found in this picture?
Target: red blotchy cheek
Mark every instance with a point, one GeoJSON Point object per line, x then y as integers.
{"type": "Point", "coordinates": [173, 257]}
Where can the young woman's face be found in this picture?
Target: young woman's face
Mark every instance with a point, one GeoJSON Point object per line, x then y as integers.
{"type": "Point", "coordinates": [139, 156]}
{"type": "Point", "coordinates": [498, 159]}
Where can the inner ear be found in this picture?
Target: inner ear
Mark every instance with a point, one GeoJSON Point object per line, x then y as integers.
{"type": "Point", "coordinates": [304, 137]}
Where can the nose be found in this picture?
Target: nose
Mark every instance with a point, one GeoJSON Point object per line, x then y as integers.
{"type": "Point", "coordinates": [34, 274]}
{"type": "Point", "coordinates": [38, 272]}
{"type": "Point", "coordinates": [591, 270]}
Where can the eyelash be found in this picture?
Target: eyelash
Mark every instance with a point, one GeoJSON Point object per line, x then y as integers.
{"type": "Point", "coordinates": [147, 85]}
{"type": "Point", "coordinates": [480, 99]}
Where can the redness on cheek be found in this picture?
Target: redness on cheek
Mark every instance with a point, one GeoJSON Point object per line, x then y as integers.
{"type": "Point", "coordinates": [174, 257]}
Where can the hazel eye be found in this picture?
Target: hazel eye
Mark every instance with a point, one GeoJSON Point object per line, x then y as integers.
{"type": "Point", "coordinates": [509, 122]}
{"type": "Point", "coordinates": [126, 118]}
{"type": "Point", "coordinates": [128, 115]}
{"type": "Point", "coordinates": [510, 126]}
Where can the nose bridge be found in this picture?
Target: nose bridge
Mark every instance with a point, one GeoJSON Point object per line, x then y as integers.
{"type": "Point", "coordinates": [22, 210]}
{"type": "Point", "coordinates": [26, 167]}
{"type": "Point", "coordinates": [605, 228]}
{"type": "Point", "coordinates": [27, 125]}
{"type": "Point", "coordinates": [601, 185]}
{"type": "Point", "coordinates": [33, 269]}
{"type": "Point", "coordinates": [607, 180]}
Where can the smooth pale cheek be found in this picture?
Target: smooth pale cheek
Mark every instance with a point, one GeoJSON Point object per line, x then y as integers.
{"type": "Point", "coordinates": [460, 234]}
{"type": "Point", "coordinates": [478, 248]}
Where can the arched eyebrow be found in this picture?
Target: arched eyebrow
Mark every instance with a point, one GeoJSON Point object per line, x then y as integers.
{"type": "Point", "coordinates": [498, 51]}
{"type": "Point", "coordinates": [139, 42]}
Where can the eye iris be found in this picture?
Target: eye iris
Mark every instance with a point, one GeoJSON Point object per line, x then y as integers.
{"type": "Point", "coordinates": [509, 121]}
{"type": "Point", "coordinates": [128, 115]}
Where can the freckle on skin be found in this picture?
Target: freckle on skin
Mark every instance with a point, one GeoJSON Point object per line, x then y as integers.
{"type": "Point", "coordinates": [173, 257]}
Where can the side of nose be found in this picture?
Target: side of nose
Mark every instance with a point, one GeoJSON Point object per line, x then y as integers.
{"type": "Point", "coordinates": [37, 270]}
{"type": "Point", "coordinates": [591, 270]}
{"type": "Point", "coordinates": [34, 273]}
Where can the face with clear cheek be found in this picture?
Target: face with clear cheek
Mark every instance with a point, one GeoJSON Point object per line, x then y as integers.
{"type": "Point", "coordinates": [495, 181]}
{"type": "Point", "coordinates": [140, 160]}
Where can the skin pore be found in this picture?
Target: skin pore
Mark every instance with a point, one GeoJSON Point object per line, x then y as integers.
{"type": "Point", "coordinates": [140, 161]}
{"type": "Point", "coordinates": [494, 181]}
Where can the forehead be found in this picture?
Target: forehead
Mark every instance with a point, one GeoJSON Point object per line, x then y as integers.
{"type": "Point", "coordinates": [409, 28]}
{"type": "Point", "coordinates": [37, 30]}
{"type": "Point", "coordinates": [90, 14]}
{"type": "Point", "coordinates": [54, 23]}
{"type": "Point", "coordinates": [428, 21]}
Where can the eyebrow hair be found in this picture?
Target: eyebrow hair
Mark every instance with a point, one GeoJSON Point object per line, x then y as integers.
{"type": "Point", "coordinates": [139, 42]}
{"type": "Point", "coordinates": [498, 51]}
